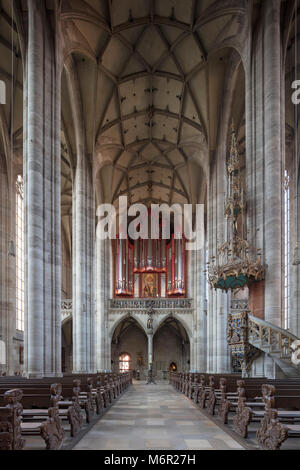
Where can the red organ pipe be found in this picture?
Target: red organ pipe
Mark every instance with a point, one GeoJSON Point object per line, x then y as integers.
{"type": "Point", "coordinates": [123, 267]}
{"type": "Point", "coordinates": [150, 256]}
{"type": "Point", "coordinates": [176, 267]}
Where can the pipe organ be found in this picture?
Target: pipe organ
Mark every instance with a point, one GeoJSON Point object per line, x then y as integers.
{"type": "Point", "coordinates": [123, 267]}
{"type": "Point", "coordinates": [150, 268]}
{"type": "Point", "coordinates": [149, 256]}
{"type": "Point", "coordinates": [176, 267]}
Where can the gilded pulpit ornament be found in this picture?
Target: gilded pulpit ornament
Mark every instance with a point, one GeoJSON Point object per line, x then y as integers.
{"type": "Point", "coordinates": [232, 267]}
{"type": "Point", "coordinates": [243, 352]}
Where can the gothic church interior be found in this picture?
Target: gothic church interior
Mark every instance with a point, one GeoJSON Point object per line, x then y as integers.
{"type": "Point", "coordinates": [131, 342]}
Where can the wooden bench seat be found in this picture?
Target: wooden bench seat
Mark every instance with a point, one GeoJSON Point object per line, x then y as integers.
{"type": "Point", "coordinates": [31, 428]}
{"type": "Point", "coordinates": [293, 430]}
{"type": "Point", "coordinates": [41, 412]}
{"type": "Point", "coordinates": [254, 400]}
{"type": "Point", "coordinates": [272, 432]}
{"type": "Point", "coordinates": [12, 428]}
{"type": "Point", "coordinates": [100, 390]}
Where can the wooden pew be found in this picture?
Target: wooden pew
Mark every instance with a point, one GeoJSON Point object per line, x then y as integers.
{"type": "Point", "coordinates": [268, 418]}
{"type": "Point", "coordinates": [10, 421]}
{"type": "Point", "coordinates": [16, 422]}
{"type": "Point", "coordinates": [12, 428]}
{"type": "Point", "coordinates": [252, 394]}
{"type": "Point", "coordinates": [230, 400]}
{"type": "Point", "coordinates": [70, 413]}
{"type": "Point", "coordinates": [38, 399]}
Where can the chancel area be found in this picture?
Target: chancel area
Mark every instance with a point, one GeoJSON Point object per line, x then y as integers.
{"type": "Point", "coordinates": [176, 323]}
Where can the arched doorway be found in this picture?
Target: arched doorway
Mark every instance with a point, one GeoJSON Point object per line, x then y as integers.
{"type": "Point", "coordinates": [129, 348]}
{"type": "Point", "coordinates": [171, 348]}
{"type": "Point", "coordinates": [67, 345]}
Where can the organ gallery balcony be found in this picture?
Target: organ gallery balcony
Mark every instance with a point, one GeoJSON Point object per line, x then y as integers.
{"type": "Point", "coordinates": [140, 305]}
{"type": "Point", "coordinates": [137, 305]}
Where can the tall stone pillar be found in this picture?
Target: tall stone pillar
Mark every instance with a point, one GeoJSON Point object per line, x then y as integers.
{"type": "Point", "coordinates": [217, 303]}
{"type": "Point", "coordinates": [102, 293]}
{"type": "Point", "coordinates": [83, 241]}
{"type": "Point", "coordinates": [294, 269]}
{"type": "Point", "coordinates": [107, 346]}
{"type": "Point", "coordinates": [217, 348]}
{"type": "Point", "coordinates": [42, 157]}
{"type": "Point", "coordinates": [215, 243]}
{"type": "Point", "coordinates": [273, 161]}
{"type": "Point", "coordinates": [192, 293]}
{"type": "Point", "coordinates": [223, 299]}
{"type": "Point", "coordinates": [100, 303]}
{"type": "Point", "coordinates": [7, 276]}
{"type": "Point", "coordinates": [150, 349]}
{"type": "Point", "coordinates": [210, 309]}
{"type": "Point", "coordinates": [83, 269]}
{"type": "Point", "coordinates": [200, 333]}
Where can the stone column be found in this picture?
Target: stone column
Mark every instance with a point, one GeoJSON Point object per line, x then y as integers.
{"type": "Point", "coordinates": [192, 293]}
{"type": "Point", "coordinates": [100, 302]}
{"type": "Point", "coordinates": [273, 161]}
{"type": "Point", "coordinates": [200, 314]}
{"type": "Point", "coordinates": [83, 229]}
{"type": "Point", "coordinates": [109, 294]}
{"type": "Point", "coordinates": [215, 243]}
{"type": "Point", "coordinates": [83, 267]}
{"type": "Point", "coordinates": [217, 349]}
{"type": "Point", "coordinates": [264, 154]}
{"type": "Point", "coordinates": [107, 345]}
{"type": "Point", "coordinates": [42, 188]}
{"type": "Point", "coordinates": [150, 348]}
{"type": "Point", "coordinates": [209, 327]}
{"type": "Point", "coordinates": [223, 299]}
{"type": "Point", "coordinates": [294, 269]}
{"type": "Point", "coordinates": [7, 274]}
{"type": "Point", "coordinates": [102, 293]}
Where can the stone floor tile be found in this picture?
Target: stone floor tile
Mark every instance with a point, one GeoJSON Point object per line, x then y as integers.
{"type": "Point", "coordinates": [155, 417]}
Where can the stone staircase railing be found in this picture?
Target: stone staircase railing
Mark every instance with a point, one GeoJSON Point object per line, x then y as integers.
{"type": "Point", "coordinates": [276, 342]}
{"type": "Point", "coordinates": [248, 335]}
{"type": "Point", "coordinates": [265, 335]}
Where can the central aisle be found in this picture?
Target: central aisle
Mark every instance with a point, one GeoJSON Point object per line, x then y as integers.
{"type": "Point", "coordinates": [153, 417]}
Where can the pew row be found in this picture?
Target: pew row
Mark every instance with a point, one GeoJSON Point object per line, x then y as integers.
{"type": "Point", "coordinates": [273, 404]}
{"type": "Point", "coordinates": [45, 420]}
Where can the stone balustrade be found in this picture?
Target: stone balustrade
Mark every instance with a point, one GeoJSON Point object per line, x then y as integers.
{"type": "Point", "coordinates": [145, 304]}
{"type": "Point", "coordinates": [138, 305]}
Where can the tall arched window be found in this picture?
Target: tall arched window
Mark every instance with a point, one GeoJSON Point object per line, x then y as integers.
{"type": "Point", "coordinates": [19, 254]}
{"type": "Point", "coordinates": [2, 353]}
{"type": "Point", "coordinates": [2, 92]}
{"type": "Point", "coordinates": [286, 250]}
{"type": "Point", "coordinates": [124, 362]}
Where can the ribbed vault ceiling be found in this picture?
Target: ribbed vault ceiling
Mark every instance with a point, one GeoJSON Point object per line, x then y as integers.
{"type": "Point", "coordinates": [151, 76]}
